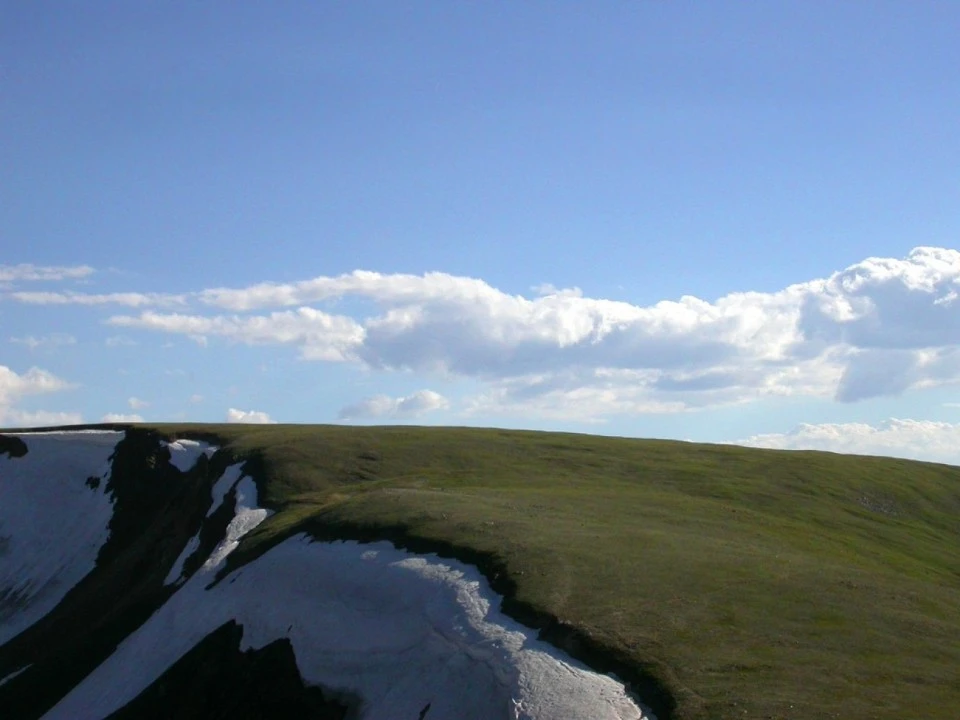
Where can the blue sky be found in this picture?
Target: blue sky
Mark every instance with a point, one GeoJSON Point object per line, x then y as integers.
{"type": "Point", "coordinates": [719, 221]}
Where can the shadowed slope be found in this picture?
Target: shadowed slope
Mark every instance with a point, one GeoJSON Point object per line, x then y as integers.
{"type": "Point", "coordinates": [216, 681]}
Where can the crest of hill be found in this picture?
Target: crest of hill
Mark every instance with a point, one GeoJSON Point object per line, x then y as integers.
{"type": "Point", "coordinates": [719, 580]}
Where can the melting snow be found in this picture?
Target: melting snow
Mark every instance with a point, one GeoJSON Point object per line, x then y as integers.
{"type": "Point", "coordinates": [246, 517]}
{"type": "Point", "coordinates": [396, 629]}
{"type": "Point", "coordinates": [52, 523]}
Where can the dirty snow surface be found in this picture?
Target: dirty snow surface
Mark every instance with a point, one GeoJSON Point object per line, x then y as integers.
{"type": "Point", "coordinates": [52, 522]}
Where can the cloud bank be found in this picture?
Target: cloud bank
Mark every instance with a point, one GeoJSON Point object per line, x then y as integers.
{"type": "Point", "coordinates": [384, 406]}
{"type": "Point", "coordinates": [913, 439]}
{"type": "Point", "coordinates": [880, 327]}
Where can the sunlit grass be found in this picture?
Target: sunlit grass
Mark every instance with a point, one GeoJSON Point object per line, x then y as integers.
{"type": "Point", "coordinates": [751, 583]}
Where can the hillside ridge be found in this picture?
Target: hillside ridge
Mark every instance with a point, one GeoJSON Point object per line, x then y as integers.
{"type": "Point", "coordinates": [782, 575]}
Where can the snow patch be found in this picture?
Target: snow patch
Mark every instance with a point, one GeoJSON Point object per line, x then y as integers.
{"type": "Point", "coordinates": [246, 517]}
{"type": "Point", "coordinates": [185, 453]}
{"type": "Point", "coordinates": [224, 485]}
{"type": "Point", "coordinates": [54, 518]}
{"type": "Point", "coordinates": [398, 630]}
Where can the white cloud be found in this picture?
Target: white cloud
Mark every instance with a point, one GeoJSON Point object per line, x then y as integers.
{"type": "Point", "coordinates": [378, 406]}
{"type": "Point", "coordinates": [249, 416]}
{"type": "Point", "coordinates": [54, 340]}
{"type": "Point", "coordinates": [196, 398]}
{"type": "Point", "coordinates": [880, 327]}
{"type": "Point", "coordinates": [131, 299]}
{"type": "Point", "coordinates": [14, 386]}
{"type": "Point", "coordinates": [137, 403]}
{"type": "Point", "coordinates": [914, 439]}
{"type": "Point", "coordinates": [23, 418]}
{"type": "Point", "coordinates": [121, 418]}
{"type": "Point", "coordinates": [396, 288]}
{"type": "Point", "coordinates": [35, 380]}
{"type": "Point", "coordinates": [26, 272]}
{"type": "Point", "coordinates": [320, 336]}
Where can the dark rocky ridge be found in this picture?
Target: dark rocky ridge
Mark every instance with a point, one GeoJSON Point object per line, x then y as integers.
{"type": "Point", "coordinates": [12, 446]}
{"type": "Point", "coordinates": [216, 681]}
{"type": "Point", "coordinates": [157, 509]}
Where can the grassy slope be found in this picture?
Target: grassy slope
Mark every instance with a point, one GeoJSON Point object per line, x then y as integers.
{"type": "Point", "coordinates": [750, 583]}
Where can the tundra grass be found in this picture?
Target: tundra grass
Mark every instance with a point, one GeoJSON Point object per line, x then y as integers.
{"type": "Point", "coordinates": [748, 583]}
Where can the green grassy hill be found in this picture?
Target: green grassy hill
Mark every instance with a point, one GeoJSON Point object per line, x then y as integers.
{"type": "Point", "coordinates": [723, 582]}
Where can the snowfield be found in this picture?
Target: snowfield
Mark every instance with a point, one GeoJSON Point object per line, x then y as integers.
{"type": "Point", "coordinates": [52, 522]}
{"type": "Point", "coordinates": [412, 636]}
{"type": "Point", "coordinates": [399, 630]}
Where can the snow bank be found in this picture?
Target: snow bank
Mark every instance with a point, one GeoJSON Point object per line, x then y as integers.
{"type": "Point", "coordinates": [52, 521]}
{"type": "Point", "coordinates": [399, 630]}
{"type": "Point", "coordinates": [246, 517]}
{"type": "Point", "coordinates": [185, 453]}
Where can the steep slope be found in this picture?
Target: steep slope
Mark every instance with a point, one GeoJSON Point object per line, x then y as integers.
{"type": "Point", "coordinates": [94, 522]}
{"type": "Point", "coordinates": [46, 553]}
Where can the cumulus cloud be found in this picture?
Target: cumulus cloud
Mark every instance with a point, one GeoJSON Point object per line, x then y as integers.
{"type": "Point", "coordinates": [912, 439]}
{"type": "Point", "coordinates": [886, 303]}
{"type": "Point", "coordinates": [136, 403]}
{"type": "Point", "coordinates": [121, 418]}
{"type": "Point", "coordinates": [384, 406]}
{"type": "Point", "coordinates": [254, 417]}
{"type": "Point", "coordinates": [35, 380]}
{"type": "Point", "coordinates": [14, 386]}
{"type": "Point", "coordinates": [879, 327]}
{"type": "Point", "coordinates": [26, 272]}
